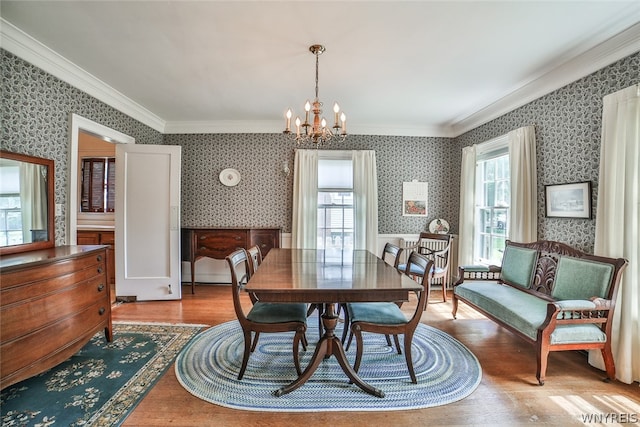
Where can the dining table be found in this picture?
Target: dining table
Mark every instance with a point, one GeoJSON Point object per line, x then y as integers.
{"type": "Point", "coordinates": [328, 278]}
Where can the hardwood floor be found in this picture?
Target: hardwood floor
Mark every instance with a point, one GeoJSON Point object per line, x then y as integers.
{"type": "Point", "coordinates": [507, 395]}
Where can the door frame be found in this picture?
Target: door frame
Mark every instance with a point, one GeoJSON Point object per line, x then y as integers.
{"type": "Point", "coordinates": [76, 124]}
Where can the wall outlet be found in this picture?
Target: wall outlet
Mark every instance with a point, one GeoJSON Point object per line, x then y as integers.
{"type": "Point", "coordinates": [58, 209]}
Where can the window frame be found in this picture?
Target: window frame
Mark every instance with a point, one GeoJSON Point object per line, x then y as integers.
{"type": "Point", "coordinates": [346, 234]}
{"type": "Point", "coordinates": [486, 236]}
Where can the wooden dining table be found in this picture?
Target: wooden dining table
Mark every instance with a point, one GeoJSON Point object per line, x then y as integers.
{"type": "Point", "coordinates": [327, 278]}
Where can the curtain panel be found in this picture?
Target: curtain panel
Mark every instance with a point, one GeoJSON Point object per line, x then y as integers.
{"type": "Point", "coordinates": [365, 193]}
{"type": "Point", "coordinates": [467, 205]}
{"type": "Point", "coordinates": [304, 224]}
{"type": "Point", "coordinates": [523, 223]}
{"type": "Point", "coordinates": [618, 223]}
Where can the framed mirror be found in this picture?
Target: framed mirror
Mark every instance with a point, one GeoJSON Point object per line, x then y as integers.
{"type": "Point", "coordinates": [26, 203]}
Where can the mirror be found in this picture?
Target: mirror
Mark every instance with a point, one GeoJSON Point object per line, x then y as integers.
{"type": "Point", "coordinates": [26, 203]}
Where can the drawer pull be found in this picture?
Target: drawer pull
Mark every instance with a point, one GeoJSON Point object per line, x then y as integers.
{"type": "Point", "coordinates": [99, 258]}
{"type": "Point", "coordinates": [101, 311]}
{"type": "Point", "coordinates": [238, 237]}
{"type": "Point", "coordinates": [100, 270]}
{"type": "Point", "coordinates": [100, 287]}
{"type": "Point", "coordinates": [203, 248]}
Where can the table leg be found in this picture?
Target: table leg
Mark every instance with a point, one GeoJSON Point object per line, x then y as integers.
{"type": "Point", "coordinates": [329, 345]}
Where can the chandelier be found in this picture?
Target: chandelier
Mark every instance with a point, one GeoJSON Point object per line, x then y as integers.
{"type": "Point", "coordinates": [317, 131]}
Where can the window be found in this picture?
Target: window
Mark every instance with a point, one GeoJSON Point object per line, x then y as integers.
{"type": "Point", "coordinates": [492, 201]}
{"type": "Point", "coordinates": [98, 184]}
{"type": "Point", "coordinates": [10, 208]}
{"type": "Point", "coordinates": [335, 204]}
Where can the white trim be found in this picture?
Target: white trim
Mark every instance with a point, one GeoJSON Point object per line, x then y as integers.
{"type": "Point", "coordinates": [77, 123]}
{"type": "Point", "coordinates": [31, 50]}
{"type": "Point", "coordinates": [494, 144]}
{"type": "Point", "coordinates": [617, 47]}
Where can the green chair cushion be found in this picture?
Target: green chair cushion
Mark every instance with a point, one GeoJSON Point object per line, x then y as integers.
{"type": "Point", "coordinates": [520, 310]}
{"type": "Point", "coordinates": [581, 279]}
{"type": "Point", "coordinates": [517, 265]}
{"type": "Point", "coordinates": [267, 312]}
{"type": "Point", "coordinates": [384, 313]}
{"type": "Point", "coordinates": [526, 313]}
{"type": "Point", "coordinates": [568, 334]}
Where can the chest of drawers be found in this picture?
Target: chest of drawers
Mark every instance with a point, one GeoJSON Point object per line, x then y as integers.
{"type": "Point", "coordinates": [52, 302]}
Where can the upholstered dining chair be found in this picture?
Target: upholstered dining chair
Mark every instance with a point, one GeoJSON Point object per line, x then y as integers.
{"type": "Point", "coordinates": [440, 254]}
{"type": "Point", "coordinates": [391, 254]}
{"type": "Point", "coordinates": [387, 317]}
{"type": "Point", "coordinates": [255, 259]}
{"type": "Point", "coordinates": [264, 317]}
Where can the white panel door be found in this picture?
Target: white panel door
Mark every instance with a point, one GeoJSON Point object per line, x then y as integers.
{"type": "Point", "coordinates": [148, 222]}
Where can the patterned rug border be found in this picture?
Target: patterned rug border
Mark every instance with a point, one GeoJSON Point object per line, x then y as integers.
{"type": "Point", "coordinates": [113, 412]}
{"type": "Point", "coordinates": [126, 398]}
{"type": "Point", "coordinates": [347, 392]}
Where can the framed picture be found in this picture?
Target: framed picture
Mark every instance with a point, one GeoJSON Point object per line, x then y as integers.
{"type": "Point", "coordinates": [414, 198]}
{"type": "Point", "coordinates": [568, 200]}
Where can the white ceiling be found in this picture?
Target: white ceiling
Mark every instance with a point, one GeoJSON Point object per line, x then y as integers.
{"type": "Point", "coordinates": [400, 68]}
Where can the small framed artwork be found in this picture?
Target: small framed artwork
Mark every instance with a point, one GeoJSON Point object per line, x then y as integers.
{"type": "Point", "coordinates": [414, 198]}
{"type": "Point", "coordinates": [568, 200]}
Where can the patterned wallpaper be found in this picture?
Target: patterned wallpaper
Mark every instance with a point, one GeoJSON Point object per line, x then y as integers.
{"type": "Point", "coordinates": [264, 195]}
{"type": "Point", "coordinates": [36, 107]}
{"type": "Point", "coordinates": [35, 115]}
{"type": "Point", "coordinates": [568, 130]}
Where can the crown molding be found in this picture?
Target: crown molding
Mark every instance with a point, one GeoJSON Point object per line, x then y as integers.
{"type": "Point", "coordinates": [26, 47]}
{"type": "Point", "coordinates": [606, 53]}
{"type": "Point", "coordinates": [31, 50]}
{"type": "Point", "coordinates": [273, 126]}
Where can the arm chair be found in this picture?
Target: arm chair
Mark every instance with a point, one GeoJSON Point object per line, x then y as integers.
{"type": "Point", "coordinates": [264, 317]}
{"type": "Point", "coordinates": [387, 318]}
{"type": "Point", "coordinates": [436, 247]}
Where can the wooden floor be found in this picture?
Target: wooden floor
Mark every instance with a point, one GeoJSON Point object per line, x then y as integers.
{"type": "Point", "coordinates": [507, 395]}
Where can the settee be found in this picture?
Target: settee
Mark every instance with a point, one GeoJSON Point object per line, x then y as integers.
{"type": "Point", "coordinates": [549, 294]}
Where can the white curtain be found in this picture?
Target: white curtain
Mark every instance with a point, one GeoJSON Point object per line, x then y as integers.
{"type": "Point", "coordinates": [467, 205]}
{"type": "Point", "coordinates": [33, 200]}
{"type": "Point", "coordinates": [365, 192]}
{"type": "Point", "coordinates": [304, 229]}
{"type": "Point", "coordinates": [618, 223]}
{"type": "Point", "coordinates": [523, 221]}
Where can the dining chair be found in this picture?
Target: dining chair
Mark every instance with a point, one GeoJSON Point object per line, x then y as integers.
{"type": "Point", "coordinates": [387, 317]}
{"type": "Point", "coordinates": [264, 317]}
{"type": "Point", "coordinates": [391, 254]}
{"type": "Point", "coordinates": [255, 259]}
{"type": "Point", "coordinates": [436, 247]}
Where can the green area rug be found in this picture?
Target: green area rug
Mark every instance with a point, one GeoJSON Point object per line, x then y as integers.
{"type": "Point", "coordinates": [102, 383]}
{"type": "Point", "coordinates": [208, 368]}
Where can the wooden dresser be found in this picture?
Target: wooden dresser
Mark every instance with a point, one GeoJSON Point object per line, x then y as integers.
{"type": "Point", "coordinates": [101, 237]}
{"type": "Point", "coordinates": [219, 242]}
{"type": "Point", "coordinates": [52, 301]}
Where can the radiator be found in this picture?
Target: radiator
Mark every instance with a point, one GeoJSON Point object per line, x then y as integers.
{"type": "Point", "coordinates": [436, 245]}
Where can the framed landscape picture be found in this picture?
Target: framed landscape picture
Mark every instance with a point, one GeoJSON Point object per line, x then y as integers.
{"type": "Point", "coordinates": [568, 200]}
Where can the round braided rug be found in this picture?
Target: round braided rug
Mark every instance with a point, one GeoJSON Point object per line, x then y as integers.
{"type": "Point", "coordinates": [208, 367]}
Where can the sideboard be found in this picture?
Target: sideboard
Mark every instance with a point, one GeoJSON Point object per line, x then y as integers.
{"type": "Point", "coordinates": [219, 242]}
{"type": "Point", "coordinates": [52, 301]}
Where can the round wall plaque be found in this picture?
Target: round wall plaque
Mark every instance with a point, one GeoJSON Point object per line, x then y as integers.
{"type": "Point", "coordinates": [230, 177]}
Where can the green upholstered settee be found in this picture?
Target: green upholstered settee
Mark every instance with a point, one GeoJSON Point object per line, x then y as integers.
{"type": "Point", "coordinates": [550, 294]}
